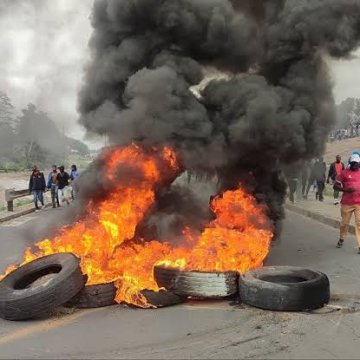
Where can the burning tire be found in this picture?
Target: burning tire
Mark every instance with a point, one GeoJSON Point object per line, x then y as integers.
{"type": "Point", "coordinates": [162, 298]}
{"type": "Point", "coordinates": [197, 284]}
{"type": "Point", "coordinates": [284, 288]}
{"type": "Point", "coordinates": [39, 286]}
{"type": "Point", "coordinates": [101, 295]}
{"type": "Point", "coordinates": [93, 296]}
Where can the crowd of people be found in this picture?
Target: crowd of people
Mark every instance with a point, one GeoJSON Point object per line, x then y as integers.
{"type": "Point", "coordinates": [314, 175]}
{"type": "Point", "coordinates": [344, 177]}
{"type": "Point", "coordinates": [60, 183]}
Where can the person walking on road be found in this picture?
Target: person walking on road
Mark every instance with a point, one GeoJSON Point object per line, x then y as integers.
{"type": "Point", "coordinates": [37, 186]}
{"type": "Point", "coordinates": [52, 186]}
{"type": "Point", "coordinates": [318, 174]}
{"type": "Point", "coordinates": [305, 178]}
{"type": "Point", "coordinates": [62, 181]}
{"type": "Point", "coordinates": [348, 182]}
{"type": "Point", "coordinates": [336, 168]}
{"type": "Point", "coordinates": [74, 174]}
{"type": "Point", "coordinates": [292, 173]}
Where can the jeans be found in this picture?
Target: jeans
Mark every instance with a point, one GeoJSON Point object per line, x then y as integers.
{"type": "Point", "coordinates": [336, 192]}
{"type": "Point", "coordinates": [54, 195]}
{"type": "Point", "coordinates": [320, 189]}
{"type": "Point", "coordinates": [309, 184]}
{"type": "Point", "coordinates": [38, 195]}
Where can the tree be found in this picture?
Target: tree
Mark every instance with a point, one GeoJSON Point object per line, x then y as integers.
{"type": "Point", "coordinates": [7, 121]}
{"type": "Point", "coordinates": [7, 116]}
{"type": "Point", "coordinates": [346, 111]}
{"type": "Point", "coordinates": [34, 155]}
{"type": "Point", "coordinates": [77, 146]}
{"type": "Point", "coordinates": [38, 137]}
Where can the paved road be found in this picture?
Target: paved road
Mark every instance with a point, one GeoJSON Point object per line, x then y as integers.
{"type": "Point", "coordinates": [198, 330]}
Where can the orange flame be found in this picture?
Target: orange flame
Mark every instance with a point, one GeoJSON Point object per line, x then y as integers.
{"type": "Point", "coordinates": [105, 240]}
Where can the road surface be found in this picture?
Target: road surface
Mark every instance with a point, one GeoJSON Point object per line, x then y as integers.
{"type": "Point", "coordinates": [197, 329]}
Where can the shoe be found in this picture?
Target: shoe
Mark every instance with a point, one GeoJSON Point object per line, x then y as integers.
{"type": "Point", "coordinates": [340, 243]}
{"type": "Point", "coordinates": [336, 202]}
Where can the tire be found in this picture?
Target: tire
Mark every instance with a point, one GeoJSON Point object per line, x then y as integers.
{"type": "Point", "coordinates": [40, 286]}
{"type": "Point", "coordinates": [162, 298]}
{"type": "Point", "coordinates": [94, 296]}
{"type": "Point", "coordinates": [214, 285]}
{"type": "Point", "coordinates": [284, 288]}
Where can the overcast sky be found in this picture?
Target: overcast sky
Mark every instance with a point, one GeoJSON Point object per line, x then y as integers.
{"type": "Point", "coordinates": [43, 47]}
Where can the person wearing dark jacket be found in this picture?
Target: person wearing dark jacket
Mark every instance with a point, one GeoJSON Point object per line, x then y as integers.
{"type": "Point", "coordinates": [37, 186]}
{"type": "Point", "coordinates": [62, 181]}
{"type": "Point", "coordinates": [336, 168]}
{"type": "Point", "coordinates": [292, 174]}
{"type": "Point", "coordinates": [318, 174]}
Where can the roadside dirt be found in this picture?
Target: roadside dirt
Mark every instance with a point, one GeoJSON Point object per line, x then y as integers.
{"type": "Point", "coordinates": [343, 148]}
{"type": "Point", "coordinates": [16, 180]}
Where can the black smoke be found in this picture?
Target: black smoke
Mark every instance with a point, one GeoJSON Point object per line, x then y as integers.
{"type": "Point", "coordinates": [274, 108]}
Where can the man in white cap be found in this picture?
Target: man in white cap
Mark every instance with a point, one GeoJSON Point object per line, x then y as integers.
{"type": "Point", "coordinates": [349, 183]}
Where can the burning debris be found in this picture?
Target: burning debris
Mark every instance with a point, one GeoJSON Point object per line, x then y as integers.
{"type": "Point", "coordinates": [105, 240]}
{"type": "Point", "coordinates": [274, 108]}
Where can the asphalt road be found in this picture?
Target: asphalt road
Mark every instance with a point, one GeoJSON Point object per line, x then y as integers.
{"type": "Point", "coordinates": [198, 329]}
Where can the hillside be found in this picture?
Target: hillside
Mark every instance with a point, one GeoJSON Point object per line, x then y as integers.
{"type": "Point", "coordinates": [343, 148]}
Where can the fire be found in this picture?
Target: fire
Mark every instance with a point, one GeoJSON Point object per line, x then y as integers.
{"type": "Point", "coordinates": [110, 250]}
{"type": "Point", "coordinates": [238, 239]}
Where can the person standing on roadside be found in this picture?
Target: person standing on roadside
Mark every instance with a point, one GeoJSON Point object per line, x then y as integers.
{"type": "Point", "coordinates": [52, 186]}
{"type": "Point", "coordinates": [37, 186]}
{"type": "Point", "coordinates": [62, 181]}
{"type": "Point", "coordinates": [348, 182]}
{"type": "Point", "coordinates": [336, 168]}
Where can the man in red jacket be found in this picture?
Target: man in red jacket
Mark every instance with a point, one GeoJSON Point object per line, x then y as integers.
{"type": "Point", "coordinates": [349, 183]}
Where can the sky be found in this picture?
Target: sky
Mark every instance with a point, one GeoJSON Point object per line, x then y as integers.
{"type": "Point", "coordinates": [346, 77]}
{"type": "Point", "coordinates": [44, 49]}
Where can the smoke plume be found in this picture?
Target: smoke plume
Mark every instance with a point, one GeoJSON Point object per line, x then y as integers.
{"type": "Point", "coordinates": [274, 108]}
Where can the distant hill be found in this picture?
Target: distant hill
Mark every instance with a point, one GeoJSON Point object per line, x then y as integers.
{"type": "Point", "coordinates": [342, 147]}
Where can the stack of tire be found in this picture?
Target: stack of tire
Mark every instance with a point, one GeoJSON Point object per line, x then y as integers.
{"type": "Point", "coordinates": [35, 289]}
{"type": "Point", "coordinates": [279, 288]}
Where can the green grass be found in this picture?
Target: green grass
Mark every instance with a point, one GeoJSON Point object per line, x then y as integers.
{"type": "Point", "coordinates": [18, 203]}
{"type": "Point", "coordinates": [22, 202]}
{"type": "Point", "coordinates": [328, 191]}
